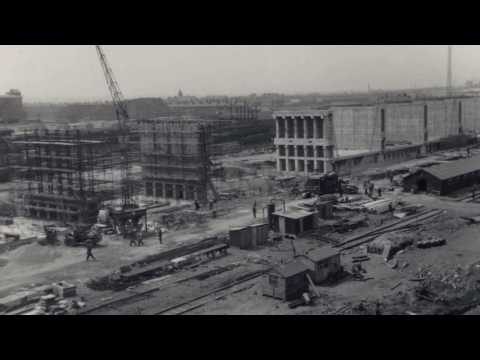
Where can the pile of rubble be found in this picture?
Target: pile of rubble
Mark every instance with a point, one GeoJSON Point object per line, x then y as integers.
{"type": "Point", "coordinates": [452, 291]}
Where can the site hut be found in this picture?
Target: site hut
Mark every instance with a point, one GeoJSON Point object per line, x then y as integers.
{"type": "Point", "coordinates": [286, 282]}
{"type": "Point", "coordinates": [293, 222]}
{"type": "Point", "coordinates": [322, 263]}
{"type": "Point", "coordinates": [445, 178]}
{"type": "Point", "coordinates": [249, 237]}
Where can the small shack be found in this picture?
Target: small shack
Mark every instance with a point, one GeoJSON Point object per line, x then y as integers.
{"type": "Point", "coordinates": [249, 237]}
{"type": "Point", "coordinates": [444, 178]}
{"type": "Point", "coordinates": [287, 282]}
{"type": "Point", "coordinates": [322, 263]}
{"type": "Point", "coordinates": [293, 222]}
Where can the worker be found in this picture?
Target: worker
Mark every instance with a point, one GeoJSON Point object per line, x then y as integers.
{"type": "Point", "coordinates": [340, 189]}
{"type": "Point", "coordinates": [159, 231]}
{"type": "Point", "coordinates": [365, 187]}
{"type": "Point", "coordinates": [372, 188]}
{"type": "Point", "coordinates": [89, 246]}
{"type": "Point", "coordinates": [379, 192]}
{"type": "Point", "coordinates": [140, 238]}
{"type": "Point", "coordinates": [210, 204]}
{"type": "Point", "coordinates": [197, 205]}
{"type": "Point", "coordinates": [254, 209]}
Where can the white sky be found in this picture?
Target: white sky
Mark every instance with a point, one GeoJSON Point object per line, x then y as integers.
{"type": "Point", "coordinates": [64, 72]}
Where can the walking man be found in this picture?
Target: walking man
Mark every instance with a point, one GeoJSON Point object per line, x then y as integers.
{"type": "Point", "coordinates": [254, 210]}
{"type": "Point", "coordinates": [197, 205]}
{"type": "Point", "coordinates": [89, 246]}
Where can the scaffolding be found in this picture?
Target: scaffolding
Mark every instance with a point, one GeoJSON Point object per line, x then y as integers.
{"type": "Point", "coordinates": [176, 159]}
{"type": "Point", "coordinates": [65, 175]}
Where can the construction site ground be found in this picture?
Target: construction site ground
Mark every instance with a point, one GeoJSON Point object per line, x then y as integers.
{"type": "Point", "coordinates": [34, 264]}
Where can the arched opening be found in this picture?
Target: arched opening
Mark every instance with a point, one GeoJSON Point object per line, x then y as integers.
{"type": "Point", "coordinates": [422, 185]}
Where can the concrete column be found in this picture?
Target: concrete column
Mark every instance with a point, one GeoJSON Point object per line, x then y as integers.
{"type": "Point", "coordinates": [277, 128]}
{"type": "Point", "coordinates": [295, 127]}
{"type": "Point", "coordinates": [304, 119]}
{"type": "Point", "coordinates": [278, 157]}
{"type": "Point", "coordinates": [314, 127]}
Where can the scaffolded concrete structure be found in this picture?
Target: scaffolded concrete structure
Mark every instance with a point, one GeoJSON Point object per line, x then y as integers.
{"type": "Point", "coordinates": [65, 174]}
{"type": "Point", "coordinates": [175, 159]}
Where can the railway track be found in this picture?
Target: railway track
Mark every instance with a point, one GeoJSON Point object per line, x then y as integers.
{"type": "Point", "coordinates": [198, 301]}
{"type": "Point", "coordinates": [399, 225]}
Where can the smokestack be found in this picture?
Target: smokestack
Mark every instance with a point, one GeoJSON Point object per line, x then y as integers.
{"type": "Point", "coordinates": [449, 71]}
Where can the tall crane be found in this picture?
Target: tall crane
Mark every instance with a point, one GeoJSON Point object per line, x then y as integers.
{"type": "Point", "coordinates": [121, 112]}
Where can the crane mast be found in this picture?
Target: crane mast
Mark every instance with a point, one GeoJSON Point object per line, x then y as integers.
{"type": "Point", "coordinates": [121, 112]}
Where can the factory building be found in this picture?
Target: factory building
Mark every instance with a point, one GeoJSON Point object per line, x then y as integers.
{"type": "Point", "coordinates": [360, 136]}
{"type": "Point", "coordinates": [11, 107]}
{"type": "Point", "coordinates": [304, 141]}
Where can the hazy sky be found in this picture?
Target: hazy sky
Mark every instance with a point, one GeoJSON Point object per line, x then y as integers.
{"type": "Point", "coordinates": [63, 73]}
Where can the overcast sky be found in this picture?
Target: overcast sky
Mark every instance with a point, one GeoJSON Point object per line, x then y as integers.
{"type": "Point", "coordinates": [65, 73]}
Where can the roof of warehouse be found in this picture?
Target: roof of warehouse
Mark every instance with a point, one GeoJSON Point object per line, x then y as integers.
{"type": "Point", "coordinates": [454, 168]}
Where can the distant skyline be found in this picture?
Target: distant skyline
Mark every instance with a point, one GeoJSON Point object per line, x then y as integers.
{"type": "Point", "coordinates": [62, 73]}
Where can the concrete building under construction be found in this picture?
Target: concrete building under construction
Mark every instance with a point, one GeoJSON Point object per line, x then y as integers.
{"type": "Point", "coordinates": [364, 135]}
{"type": "Point", "coordinates": [64, 175]}
{"type": "Point", "coordinates": [175, 159]}
{"type": "Point", "coordinates": [304, 141]}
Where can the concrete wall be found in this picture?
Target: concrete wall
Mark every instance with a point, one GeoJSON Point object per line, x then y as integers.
{"type": "Point", "coordinates": [359, 127]}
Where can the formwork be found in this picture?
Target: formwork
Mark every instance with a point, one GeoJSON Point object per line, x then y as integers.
{"type": "Point", "coordinates": [65, 175]}
{"type": "Point", "coordinates": [175, 158]}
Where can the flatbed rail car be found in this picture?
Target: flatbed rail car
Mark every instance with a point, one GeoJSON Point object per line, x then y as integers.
{"type": "Point", "coordinates": [173, 264]}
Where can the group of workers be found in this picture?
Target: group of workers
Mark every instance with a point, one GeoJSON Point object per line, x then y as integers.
{"type": "Point", "coordinates": [136, 239]}
{"type": "Point", "coordinates": [369, 189]}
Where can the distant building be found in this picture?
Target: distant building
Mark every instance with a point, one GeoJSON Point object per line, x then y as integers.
{"type": "Point", "coordinates": [11, 107]}
{"type": "Point", "coordinates": [304, 141]}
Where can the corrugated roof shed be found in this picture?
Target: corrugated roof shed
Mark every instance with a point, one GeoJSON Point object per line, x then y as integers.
{"type": "Point", "coordinates": [455, 168]}
{"type": "Point", "coordinates": [322, 253]}
{"type": "Point", "coordinates": [292, 268]}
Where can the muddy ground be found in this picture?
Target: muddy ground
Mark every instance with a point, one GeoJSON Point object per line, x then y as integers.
{"type": "Point", "coordinates": [35, 264]}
